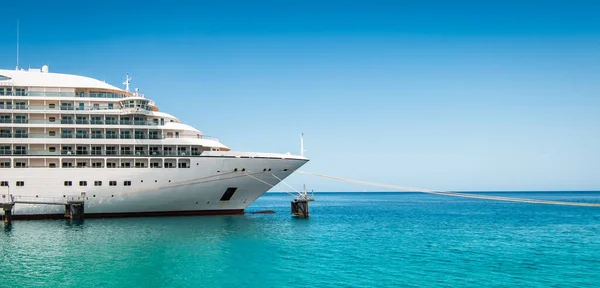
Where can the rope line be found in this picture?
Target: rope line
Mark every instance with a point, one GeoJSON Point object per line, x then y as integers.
{"type": "Point", "coordinates": [453, 194]}
{"type": "Point", "coordinates": [286, 184]}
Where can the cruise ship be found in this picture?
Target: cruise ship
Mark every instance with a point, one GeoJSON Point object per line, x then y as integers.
{"type": "Point", "coordinates": [66, 136]}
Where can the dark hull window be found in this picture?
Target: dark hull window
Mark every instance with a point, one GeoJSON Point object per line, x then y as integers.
{"type": "Point", "coordinates": [228, 194]}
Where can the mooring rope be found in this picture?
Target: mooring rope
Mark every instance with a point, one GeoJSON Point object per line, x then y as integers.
{"type": "Point", "coordinates": [265, 182]}
{"type": "Point", "coordinates": [453, 194]}
{"type": "Point", "coordinates": [286, 184]}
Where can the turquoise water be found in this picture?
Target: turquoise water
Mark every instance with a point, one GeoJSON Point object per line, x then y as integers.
{"type": "Point", "coordinates": [351, 240]}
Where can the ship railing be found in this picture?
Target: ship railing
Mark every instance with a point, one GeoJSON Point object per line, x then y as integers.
{"type": "Point", "coordinates": [104, 136]}
{"type": "Point", "coordinates": [100, 153]}
{"type": "Point", "coordinates": [72, 94]}
{"type": "Point", "coordinates": [6, 198]}
{"type": "Point", "coordinates": [82, 121]}
{"type": "Point", "coordinates": [72, 108]}
{"type": "Point", "coordinates": [40, 200]}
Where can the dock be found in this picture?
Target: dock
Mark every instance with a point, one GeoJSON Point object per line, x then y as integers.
{"type": "Point", "coordinates": [74, 205]}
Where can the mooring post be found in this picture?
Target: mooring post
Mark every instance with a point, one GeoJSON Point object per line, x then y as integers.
{"type": "Point", "coordinates": [7, 217]}
{"type": "Point", "coordinates": [300, 204]}
{"type": "Point", "coordinates": [74, 210]}
{"type": "Point", "coordinates": [300, 208]}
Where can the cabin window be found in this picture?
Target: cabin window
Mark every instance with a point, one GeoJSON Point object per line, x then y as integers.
{"type": "Point", "coordinates": [127, 183]}
{"type": "Point", "coordinates": [4, 183]}
{"type": "Point", "coordinates": [20, 164]}
{"type": "Point", "coordinates": [52, 149]}
{"type": "Point", "coordinates": [112, 183]}
{"type": "Point", "coordinates": [82, 183]}
{"type": "Point", "coordinates": [97, 183]}
{"type": "Point", "coordinates": [68, 183]}
{"type": "Point", "coordinates": [51, 106]}
{"type": "Point", "coordinates": [20, 183]}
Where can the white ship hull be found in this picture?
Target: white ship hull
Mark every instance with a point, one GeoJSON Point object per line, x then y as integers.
{"type": "Point", "coordinates": [191, 191]}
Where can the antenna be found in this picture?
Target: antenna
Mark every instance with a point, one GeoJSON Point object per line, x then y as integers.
{"type": "Point", "coordinates": [302, 145]}
{"type": "Point", "coordinates": [127, 81]}
{"type": "Point", "coordinates": [17, 44]}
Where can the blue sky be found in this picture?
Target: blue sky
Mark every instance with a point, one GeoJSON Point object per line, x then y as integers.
{"type": "Point", "coordinates": [449, 95]}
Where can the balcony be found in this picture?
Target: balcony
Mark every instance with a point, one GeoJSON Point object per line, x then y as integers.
{"type": "Point", "coordinates": [98, 153]}
{"type": "Point", "coordinates": [86, 135]}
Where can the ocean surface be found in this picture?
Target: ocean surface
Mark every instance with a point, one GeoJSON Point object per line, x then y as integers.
{"type": "Point", "coordinates": [350, 240]}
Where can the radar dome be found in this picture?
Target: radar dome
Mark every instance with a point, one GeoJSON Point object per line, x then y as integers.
{"type": "Point", "coordinates": [45, 69]}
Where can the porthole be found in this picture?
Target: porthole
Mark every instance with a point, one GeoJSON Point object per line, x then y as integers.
{"type": "Point", "coordinates": [235, 170]}
{"type": "Point", "coordinates": [243, 169]}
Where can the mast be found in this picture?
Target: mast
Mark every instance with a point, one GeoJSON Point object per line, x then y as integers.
{"type": "Point", "coordinates": [302, 145]}
{"type": "Point", "coordinates": [17, 68]}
